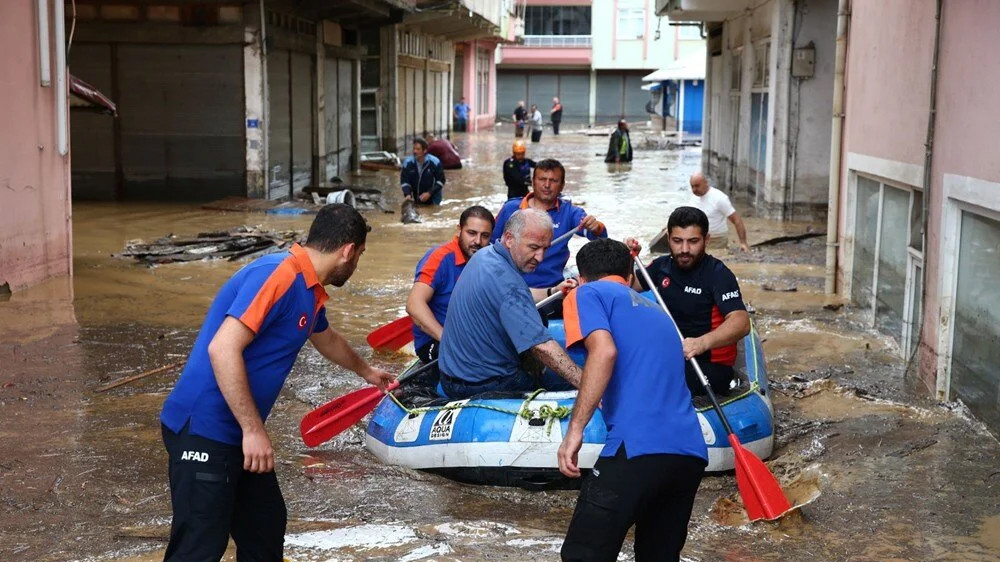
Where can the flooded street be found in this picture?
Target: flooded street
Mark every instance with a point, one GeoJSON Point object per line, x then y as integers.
{"type": "Point", "coordinates": [83, 473]}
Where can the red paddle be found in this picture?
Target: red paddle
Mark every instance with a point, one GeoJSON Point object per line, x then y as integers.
{"type": "Point", "coordinates": [399, 332]}
{"type": "Point", "coordinates": [393, 335]}
{"type": "Point", "coordinates": [327, 421]}
{"type": "Point", "coordinates": [762, 496]}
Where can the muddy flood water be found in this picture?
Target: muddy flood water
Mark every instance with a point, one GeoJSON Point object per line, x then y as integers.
{"type": "Point", "coordinates": [83, 473]}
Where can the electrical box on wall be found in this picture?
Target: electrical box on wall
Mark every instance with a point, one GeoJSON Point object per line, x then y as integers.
{"type": "Point", "coordinates": [804, 61]}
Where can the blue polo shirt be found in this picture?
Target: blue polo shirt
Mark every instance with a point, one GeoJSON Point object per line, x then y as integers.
{"type": "Point", "coordinates": [491, 319]}
{"type": "Point", "coordinates": [565, 217]}
{"type": "Point", "coordinates": [280, 298]}
{"type": "Point", "coordinates": [647, 404]}
{"type": "Point", "coordinates": [439, 268]}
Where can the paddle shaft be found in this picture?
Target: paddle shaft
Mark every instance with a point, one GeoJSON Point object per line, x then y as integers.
{"type": "Point", "coordinates": [694, 363]}
{"type": "Point", "coordinates": [563, 236]}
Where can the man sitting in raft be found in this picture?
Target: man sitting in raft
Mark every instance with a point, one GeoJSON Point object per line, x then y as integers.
{"type": "Point", "coordinates": [704, 297]}
{"type": "Point", "coordinates": [492, 319]}
{"type": "Point", "coordinates": [654, 454]}
{"type": "Point", "coordinates": [547, 186]}
{"type": "Point", "coordinates": [436, 275]}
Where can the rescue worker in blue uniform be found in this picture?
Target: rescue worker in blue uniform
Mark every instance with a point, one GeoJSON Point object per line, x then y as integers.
{"type": "Point", "coordinates": [547, 186]}
{"type": "Point", "coordinates": [436, 275]}
{"type": "Point", "coordinates": [704, 297]}
{"type": "Point", "coordinates": [654, 454]}
{"type": "Point", "coordinates": [421, 177]}
{"type": "Point", "coordinates": [222, 480]}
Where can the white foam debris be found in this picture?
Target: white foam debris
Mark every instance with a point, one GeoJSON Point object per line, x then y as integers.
{"type": "Point", "coordinates": [552, 545]}
{"type": "Point", "coordinates": [425, 551]}
{"type": "Point", "coordinates": [476, 529]}
{"type": "Point", "coordinates": [361, 537]}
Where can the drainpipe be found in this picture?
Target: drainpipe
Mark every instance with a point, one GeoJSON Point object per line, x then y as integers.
{"type": "Point", "coordinates": [942, 389]}
{"type": "Point", "coordinates": [44, 58]}
{"type": "Point", "coordinates": [836, 142]}
{"type": "Point", "coordinates": [62, 143]}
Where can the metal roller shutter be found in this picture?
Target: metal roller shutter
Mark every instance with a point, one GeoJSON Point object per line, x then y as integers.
{"type": "Point", "coordinates": [574, 94]}
{"type": "Point", "coordinates": [182, 115]}
{"type": "Point", "coordinates": [279, 126]}
{"type": "Point", "coordinates": [92, 134]}
{"type": "Point", "coordinates": [302, 119]}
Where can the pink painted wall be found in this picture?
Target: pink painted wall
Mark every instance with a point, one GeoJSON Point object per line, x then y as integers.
{"type": "Point", "coordinates": [967, 124]}
{"type": "Point", "coordinates": [887, 82]}
{"type": "Point", "coordinates": [35, 212]}
{"type": "Point", "coordinates": [479, 117]}
{"type": "Point", "coordinates": [547, 56]}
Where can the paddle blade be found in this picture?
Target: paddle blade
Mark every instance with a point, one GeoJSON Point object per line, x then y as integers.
{"type": "Point", "coordinates": [762, 496]}
{"type": "Point", "coordinates": [393, 335]}
{"type": "Point", "coordinates": [330, 419]}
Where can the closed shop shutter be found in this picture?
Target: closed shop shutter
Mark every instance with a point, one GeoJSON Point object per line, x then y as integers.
{"type": "Point", "coordinates": [182, 121]}
{"type": "Point", "coordinates": [539, 87]}
{"type": "Point", "coordinates": [574, 94]}
{"type": "Point", "coordinates": [92, 134]}
{"type": "Point", "coordinates": [279, 126]}
{"type": "Point", "coordinates": [339, 118]}
{"type": "Point", "coordinates": [609, 97]}
{"type": "Point", "coordinates": [302, 119]}
{"type": "Point", "coordinates": [511, 87]}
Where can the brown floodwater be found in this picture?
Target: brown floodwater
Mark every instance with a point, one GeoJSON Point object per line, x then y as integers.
{"type": "Point", "coordinates": [883, 474]}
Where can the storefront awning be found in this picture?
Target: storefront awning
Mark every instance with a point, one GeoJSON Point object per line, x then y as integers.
{"type": "Point", "coordinates": [85, 96]}
{"type": "Point", "coordinates": [691, 67]}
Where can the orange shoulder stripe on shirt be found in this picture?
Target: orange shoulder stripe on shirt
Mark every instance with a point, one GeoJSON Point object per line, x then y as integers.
{"type": "Point", "coordinates": [275, 287]}
{"type": "Point", "coordinates": [571, 320]}
{"type": "Point", "coordinates": [430, 267]}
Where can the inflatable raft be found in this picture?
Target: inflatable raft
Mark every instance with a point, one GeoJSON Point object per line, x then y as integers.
{"type": "Point", "coordinates": [511, 439]}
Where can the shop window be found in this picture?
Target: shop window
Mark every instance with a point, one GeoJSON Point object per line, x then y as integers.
{"type": "Point", "coordinates": [976, 344]}
{"type": "Point", "coordinates": [557, 20]}
{"type": "Point", "coordinates": [891, 283]}
{"type": "Point", "coordinates": [865, 230]}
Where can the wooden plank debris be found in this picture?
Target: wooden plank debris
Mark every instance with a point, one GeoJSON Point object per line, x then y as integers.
{"type": "Point", "coordinates": [240, 242]}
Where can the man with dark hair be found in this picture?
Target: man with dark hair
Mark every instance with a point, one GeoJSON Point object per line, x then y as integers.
{"type": "Point", "coordinates": [654, 454]}
{"type": "Point", "coordinates": [222, 480]}
{"type": "Point", "coordinates": [437, 273]}
{"type": "Point", "coordinates": [492, 319]}
{"type": "Point", "coordinates": [422, 177]}
{"type": "Point", "coordinates": [517, 171]}
{"type": "Point", "coordinates": [547, 185]}
{"type": "Point", "coordinates": [704, 297]}
{"type": "Point", "coordinates": [461, 114]}
{"type": "Point", "coordinates": [620, 145]}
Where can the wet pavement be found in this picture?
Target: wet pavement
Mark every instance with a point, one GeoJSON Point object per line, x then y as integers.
{"type": "Point", "coordinates": [82, 472]}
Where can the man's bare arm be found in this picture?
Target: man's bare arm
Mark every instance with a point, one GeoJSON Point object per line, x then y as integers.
{"type": "Point", "coordinates": [741, 231]}
{"type": "Point", "coordinates": [225, 352]}
{"type": "Point", "coordinates": [733, 328]}
{"type": "Point", "coordinates": [334, 347]}
{"type": "Point", "coordinates": [551, 355]}
{"type": "Point", "coordinates": [418, 307]}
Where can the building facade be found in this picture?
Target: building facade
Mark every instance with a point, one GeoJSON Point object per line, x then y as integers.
{"type": "Point", "coordinates": [592, 55]}
{"type": "Point", "coordinates": [768, 99]}
{"type": "Point", "coordinates": [35, 215]}
{"type": "Point", "coordinates": [918, 198]}
{"type": "Point", "coordinates": [261, 99]}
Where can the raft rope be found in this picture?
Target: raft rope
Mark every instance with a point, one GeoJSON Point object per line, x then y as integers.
{"type": "Point", "coordinates": [551, 414]}
{"type": "Point", "coordinates": [544, 411]}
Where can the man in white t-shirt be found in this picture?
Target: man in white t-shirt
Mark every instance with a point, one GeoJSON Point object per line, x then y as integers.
{"type": "Point", "coordinates": [717, 206]}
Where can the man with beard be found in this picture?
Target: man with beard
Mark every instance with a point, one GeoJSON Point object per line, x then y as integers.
{"type": "Point", "coordinates": [221, 470]}
{"type": "Point", "coordinates": [492, 318]}
{"type": "Point", "coordinates": [436, 275]}
{"type": "Point", "coordinates": [703, 296]}
{"type": "Point", "coordinates": [547, 185]}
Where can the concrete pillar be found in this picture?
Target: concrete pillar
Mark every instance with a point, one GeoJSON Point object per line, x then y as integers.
{"type": "Point", "coordinates": [319, 120]}
{"type": "Point", "coordinates": [389, 83]}
{"type": "Point", "coordinates": [742, 158]}
{"type": "Point", "coordinates": [592, 111]}
{"type": "Point", "coordinates": [776, 168]}
{"type": "Point", "coordinates": [255, 94]}
{"type": "Point", "coordinates": [470, 89]}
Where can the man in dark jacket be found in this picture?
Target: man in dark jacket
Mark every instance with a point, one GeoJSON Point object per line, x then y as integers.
{"type": "Point", "coordinates": [555, 115]}
{"type": "Point", "coordinates": [517, 171]}
{"type": "Point", "coordinates": [422, 177]}
{"type": "Point", "coordinates": [620, 146]}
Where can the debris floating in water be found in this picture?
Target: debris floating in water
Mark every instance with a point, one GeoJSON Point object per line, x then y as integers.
{"type": "Point", "coordinates": [240, 242]}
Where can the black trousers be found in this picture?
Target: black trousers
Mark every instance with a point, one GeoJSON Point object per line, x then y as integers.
{"type": "Point", "coordinates": [213, 498]}
{"type": "Point", "coordinates": [653, 492]}
{"type": "Point", "coordinates": [719, 376]}
{"type": "Point", "coordinates": [555, 127]}
{"type": "Point", "coordinates": [429, 351]}
{"type": "Point", "coordinates": [536, 136]}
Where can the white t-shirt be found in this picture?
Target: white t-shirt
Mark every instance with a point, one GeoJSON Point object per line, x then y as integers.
{"type": "Point", "coordinates": [717, 206]}
{"type": "Point", "coordinates": [536, 121]}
